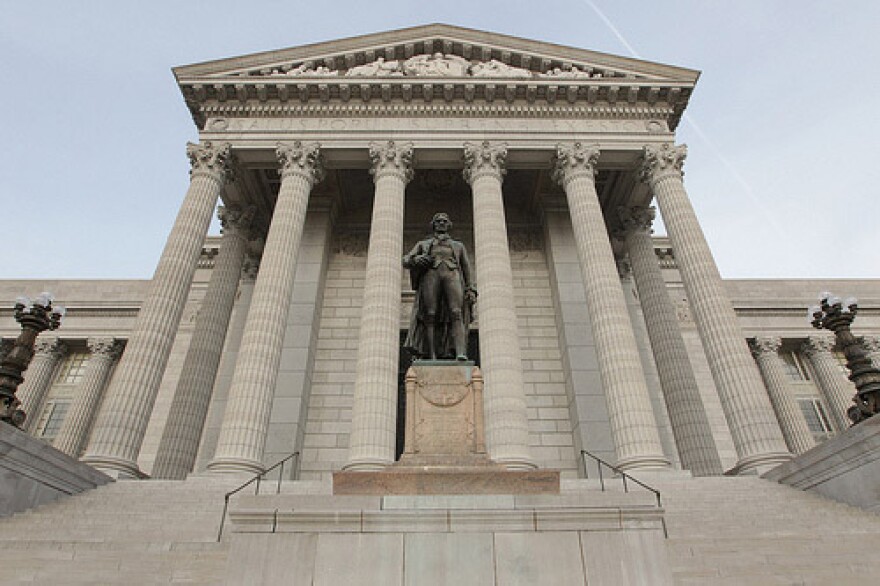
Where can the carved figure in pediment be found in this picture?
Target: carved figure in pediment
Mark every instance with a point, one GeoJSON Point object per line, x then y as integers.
{"type": "Point", "coordinates": [436, 65]}
{"type": "Point", "coordinates": [302, 70]}
{"type": "Point", "coordinates": [573, 73]}
{"type": "Point", "coordinates": [376, 68]}
{"type": "Point", "coordinates": [495, 68]}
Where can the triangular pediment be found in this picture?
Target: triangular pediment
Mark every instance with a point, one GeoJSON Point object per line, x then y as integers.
{"type": "Point", "coordinates": [438, 51]}
{"type": "Point", "coordinates": [437, 62]}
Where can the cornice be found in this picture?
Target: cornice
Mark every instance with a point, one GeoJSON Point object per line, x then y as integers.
{"type": "Point", "coordinates": [520, 70]}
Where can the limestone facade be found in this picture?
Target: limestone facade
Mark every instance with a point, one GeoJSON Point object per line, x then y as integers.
{"type": "Point", "coordinates": [532, 150]}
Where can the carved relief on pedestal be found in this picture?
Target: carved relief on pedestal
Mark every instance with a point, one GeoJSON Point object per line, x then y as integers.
{"type": "Point", "coordinates": [444, 416]}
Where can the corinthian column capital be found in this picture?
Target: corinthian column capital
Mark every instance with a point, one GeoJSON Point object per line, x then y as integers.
{"type": "Point", "coordinates": [573, 161]}
{"type": "Point", "coordinates": [210, 159]}
{"type": "Point", "coordinates": [484, 159]}
{"type": "Point", "coordinates": [663, 161]}
{"type": "Point", "coordinates": [301, 158]}
{"type": "Point", "coordinates": [636, 218]}
{"type": "Point", "coordinates": [391, 158]}
{"type": "Point", "coordinates": [818, 345]}
{"type": "Point", "coordinates": [764, 345]}
{"type": "Point", "coordinates": [235, 218]}
{"type": "Point", "coordinates": [104, 347]}
{"type": "Point", "coordinates": [50, 347]}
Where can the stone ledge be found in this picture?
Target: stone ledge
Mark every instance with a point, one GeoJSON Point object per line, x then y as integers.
{"type": "Point", "coordinates": [272, 520]}
{"type": "Point", "coordinates": [33, 473]}
{"type": "Point", "coordinates": [426, 480]}
{"type": "Point", "coordinates": [845, 468]}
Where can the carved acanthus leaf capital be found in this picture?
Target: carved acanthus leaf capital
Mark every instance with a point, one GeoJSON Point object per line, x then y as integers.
{"type": "Point", "coordinates": [235, 218]}
{"type": "Point", "coordinates": [636, 218]}
{"type": "Point", "coordinates": [104, 347]}
{"type": "Point", "coordinates": [392, 158]}
{"type": "Point", "coordinates": [301, 158]}
{"type": "Point", "coordinates": [764, 345]}
{"type": "Point", "coordinates": [662, 161]}
{"type": "Point", "coordinates": [573, 161]}
{"type": "Point", "coordinates": [206, 157]}
{"type": "Point", "coordinates": [50, 348]}
{"type": "Point", "coordinates": [250, 265]}
{"type": "Point", "coordinates": [815, 345]}
{"type": "Point", "coordinates": [483, 159]}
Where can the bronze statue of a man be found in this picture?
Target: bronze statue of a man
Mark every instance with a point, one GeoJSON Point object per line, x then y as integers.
{"type": "Point", "coordinates": [440, 273]}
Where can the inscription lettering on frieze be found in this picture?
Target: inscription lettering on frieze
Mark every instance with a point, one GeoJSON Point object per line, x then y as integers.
{"type": "Point", "coordinates": [434, 124]}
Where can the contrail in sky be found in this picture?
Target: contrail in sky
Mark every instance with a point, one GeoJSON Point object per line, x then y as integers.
{"type": "Point", "coordinates": [771, 218]}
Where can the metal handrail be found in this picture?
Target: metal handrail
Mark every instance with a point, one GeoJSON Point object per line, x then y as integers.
{"type": "Point", "coordinates": [256, 479]}
{"type": "Point", "coordinates": [624, 476]}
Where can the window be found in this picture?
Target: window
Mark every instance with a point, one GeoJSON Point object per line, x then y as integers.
{"type": "Point", "coordinates": [51, 418]}
{"type": "Point", "coordinates": [794, 366]}
{"type": "Point", "coordinates": [71, 370]}
{"type": "Point", "coordinates": [817, 419]}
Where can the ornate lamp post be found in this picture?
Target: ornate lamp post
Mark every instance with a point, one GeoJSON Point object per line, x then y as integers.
{"type": "Point", "coordinates": [34, 316]}
{"type": "Point", "coordinates": [837, 316]}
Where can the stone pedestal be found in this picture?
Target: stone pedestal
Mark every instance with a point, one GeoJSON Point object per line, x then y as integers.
{"type": "Point", "coordinates": [444, 415]}
{"type": "Point", "coordinates": [445, 446]}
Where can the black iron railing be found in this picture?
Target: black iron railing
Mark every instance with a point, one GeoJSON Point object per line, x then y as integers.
{"type": "Point", "coordinates": [626, 478]}
{"type": "Point", "coordinates": [256, 480]}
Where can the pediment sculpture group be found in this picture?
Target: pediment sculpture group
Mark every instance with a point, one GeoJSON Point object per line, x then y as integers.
{"type": "Point", "coordinates": [434, 65]}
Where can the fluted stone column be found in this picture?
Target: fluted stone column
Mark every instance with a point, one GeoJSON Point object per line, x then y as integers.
{"type": "Point", "coordinates": [77, 425]}
{"type": "Point", "coordinates": [690, 425]}
{"type": "Point", "coordinates": [48, 352]}
{"type": "Point", "coordinates": [791, 419]}
{"type": "Point", "coordinates": [186, 418]}
{"type": "Point", "coordinates": [633, 427]}
{"type": "Point", "coordinates": [122, 421]}
{"type": "Point", "coordinates": [753, 426]}
{"type": "Point", "coordinates": [507, 432]}
{"type": "Point", "coordinates": [374, 416]}
{"type": "Point", "coordinates": [246, 419]}
{"type": "Point", "coordinates": [833, 383]}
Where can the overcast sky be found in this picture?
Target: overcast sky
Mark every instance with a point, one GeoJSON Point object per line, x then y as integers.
{"type": "Point", "coordinates": [783, 127]}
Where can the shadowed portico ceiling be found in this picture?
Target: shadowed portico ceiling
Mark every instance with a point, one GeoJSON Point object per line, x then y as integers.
{"type": "Point", "coordinates": [441, 65]}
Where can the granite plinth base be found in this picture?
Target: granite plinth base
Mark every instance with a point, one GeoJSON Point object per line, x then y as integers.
{"type": "Point", "coordinates": [488, 479]}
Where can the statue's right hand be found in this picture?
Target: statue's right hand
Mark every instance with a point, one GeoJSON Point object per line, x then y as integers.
{"type": "Point", "coordinates": [423, 261]}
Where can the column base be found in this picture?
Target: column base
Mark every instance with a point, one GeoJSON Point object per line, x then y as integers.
{"type": "Point", "coordinates": [516, 463]}
{"type": "Point", "coordinates": [235, 466]}
{"type": "Point", "coordinates": [643, 463]}
{"type": "Point", "coordinates": [116, 468]}
{"type": "Point", "coordinates": [367, 465]}
{"type": "Point", "coordinates": [758, 464]}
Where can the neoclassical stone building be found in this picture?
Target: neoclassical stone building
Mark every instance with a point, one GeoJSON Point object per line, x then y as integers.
{"type": "Point", "coordinates": [284, 334]}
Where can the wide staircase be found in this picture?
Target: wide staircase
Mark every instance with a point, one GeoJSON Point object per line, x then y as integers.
{"type": "Point", "coordinates": [127, 532]}
{"type": "Point", "coordinates": [721, 531]}
{"type": "Point", "coordinates": [745, 530]}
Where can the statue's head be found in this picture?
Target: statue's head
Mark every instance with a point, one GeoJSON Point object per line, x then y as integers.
{"type": "Point", "coordinates": [441, 220]}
